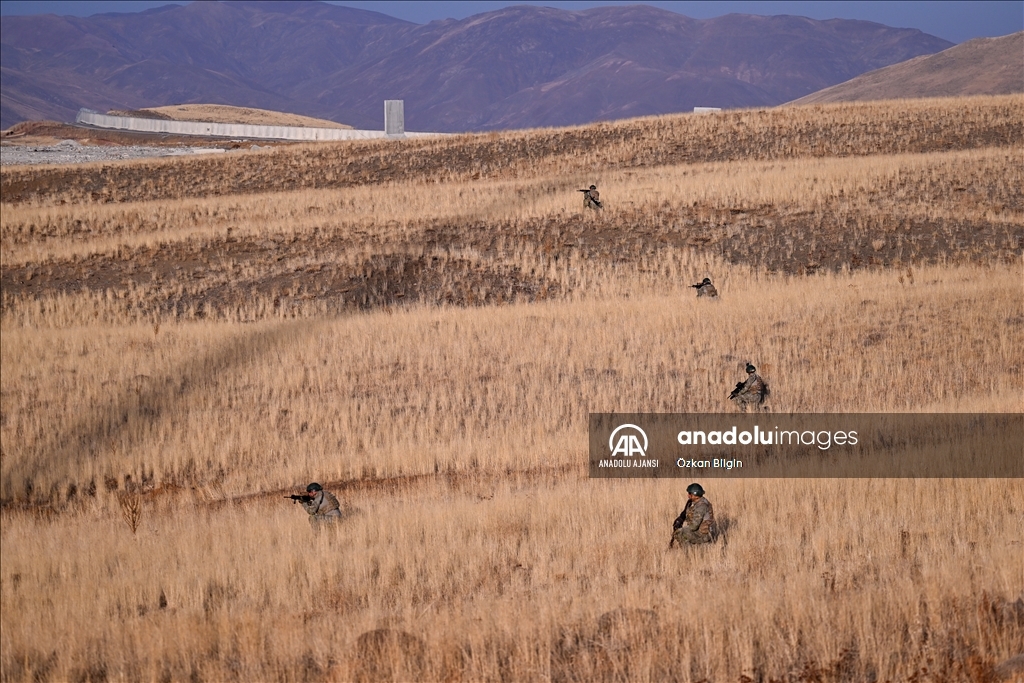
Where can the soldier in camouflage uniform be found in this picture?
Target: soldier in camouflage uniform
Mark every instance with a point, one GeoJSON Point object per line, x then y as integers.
{"type": "Point", "coordinates": [322, 506]}
{"type": "Point", "coordinates": [591, 198]}
{"type": "Point", "coordinates": [753, 391]}
{"type": "Point", "coordinates": [695, 525]}
{"type": "Point", "coordinates": [705, 288]}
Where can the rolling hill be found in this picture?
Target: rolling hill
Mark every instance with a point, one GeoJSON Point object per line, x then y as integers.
{"type": "Point", "coordinates": [984, 66]}
{"type": "Point", "coordinates": [221, 113]}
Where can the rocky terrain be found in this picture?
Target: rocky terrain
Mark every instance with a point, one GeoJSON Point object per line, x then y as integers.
{"type": "Point", "coordinates": [73, 152]}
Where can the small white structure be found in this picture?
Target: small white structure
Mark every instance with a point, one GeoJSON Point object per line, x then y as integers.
{"type": "Point", "coordinates": [394, 118]}
{"type": "Point", "coordinates": [706, 110]}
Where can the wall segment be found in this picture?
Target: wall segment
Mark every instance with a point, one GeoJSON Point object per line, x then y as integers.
{"type": "Point", "coordinates": [233, 130]}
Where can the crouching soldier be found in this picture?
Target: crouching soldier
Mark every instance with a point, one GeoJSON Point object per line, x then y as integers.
{"type": "Point", "coordinates": [696, 523]}
{"type": "Point", "coordinates": [322, 506]}
{"type": "Point", "coordinates": [705, 288]}
{"type": "Point", "coordinates": [592, 198]}
{"type": "Point", "coordinates": [753, 391]}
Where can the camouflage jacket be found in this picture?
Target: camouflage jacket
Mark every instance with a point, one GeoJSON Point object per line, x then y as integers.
{"type": "Point", "coordinates": [707, 290]}
{"type": "Point", "coordinates": [324, 504]}
{"type": "Point", "coordinates": [753, 388]}
{"type": "Point", "coordinates": [697, 516]}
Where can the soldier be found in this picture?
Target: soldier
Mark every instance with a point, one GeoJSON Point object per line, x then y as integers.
{"type": "Point", "coordinates": [753, 391]}
{"type": "Point", "coordinates": [705, 288]}
{"type": "Point", "coordinates": [322, 506]}
{"type": "Point", "coordinates": [695, 525]}
{"type": "Point", "coordinates": [591, 198]}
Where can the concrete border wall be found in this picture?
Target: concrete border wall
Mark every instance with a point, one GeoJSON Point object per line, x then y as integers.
{"type": "Point", "coordinates": [232, 130]}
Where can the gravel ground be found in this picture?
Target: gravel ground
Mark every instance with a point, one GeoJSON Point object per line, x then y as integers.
{"type": "Point", "coordinates": [72, 152]}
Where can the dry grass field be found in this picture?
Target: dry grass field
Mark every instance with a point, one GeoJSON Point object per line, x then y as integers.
{"type": "Point", "coordinates": [424, 327]}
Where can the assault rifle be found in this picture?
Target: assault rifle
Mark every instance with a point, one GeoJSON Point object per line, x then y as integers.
{"type": "Point", "coordinates": [301, 497]}
{"type": "Point", "coordinates": [680, 520]}
{"type": "Point", "coordinates": [738, 390]}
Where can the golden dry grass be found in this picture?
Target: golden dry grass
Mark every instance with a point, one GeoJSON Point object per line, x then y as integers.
{"type": "Point", "coordinates": [430, 349]}
{"type": "Point", "coordinates": [424, 390]}
{"type": "Point", "coordinates": [865, 195]}
{"type": "Point", "coordinates": [823, 131]}
{"type": "Point", "coordinates": [222, 113]}
{"type": "Point", "coordinates": [362, 247]}
{"type": "Point", "coordinates": [504, 579]}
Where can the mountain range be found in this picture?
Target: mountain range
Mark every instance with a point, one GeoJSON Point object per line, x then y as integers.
{"type": "Point", "coordinates": [517, 67]}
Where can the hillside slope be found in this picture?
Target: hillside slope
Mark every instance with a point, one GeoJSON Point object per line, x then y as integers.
{"type": "Point", "coordinates": [984, 66]}
{"type": "Point", "coordinates": [220, 113]}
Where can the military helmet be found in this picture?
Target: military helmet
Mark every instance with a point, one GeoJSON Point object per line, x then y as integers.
{"type": "Point", "coordinates": [750, 368]}
{"type": "Point", "coordinates": [314, 487]}
{"type": "Point", "coordinates": [707, 281]}
{"type": "Point", "coordinates": [593, 187]}
{"type": "Point", "coordinates": [695, 489]}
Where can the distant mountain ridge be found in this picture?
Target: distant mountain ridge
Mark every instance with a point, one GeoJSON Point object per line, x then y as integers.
{"type": "Point", "coordinates": [517, 67]}
{"type": "Point", "coordinates": [983, 66]}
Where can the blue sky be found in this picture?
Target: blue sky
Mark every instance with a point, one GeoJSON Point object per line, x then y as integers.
{"type": "Point", "coordinates": [954, 21]}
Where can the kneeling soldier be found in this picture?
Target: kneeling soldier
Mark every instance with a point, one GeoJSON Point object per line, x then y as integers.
{"type": "Point", "coordinates": [696, 523]}
{"type": "Point", "coordinates": [705, 288]}
{"type": "Point", "coordinates": [591, 198]}
{"type": "Point", "coordinates": [322, 506]}
{"type": "Point", "coordinates": [753, 391]}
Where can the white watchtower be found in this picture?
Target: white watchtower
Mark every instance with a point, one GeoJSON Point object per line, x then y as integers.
{"type": "Point", "coordinates": [394, 118]}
